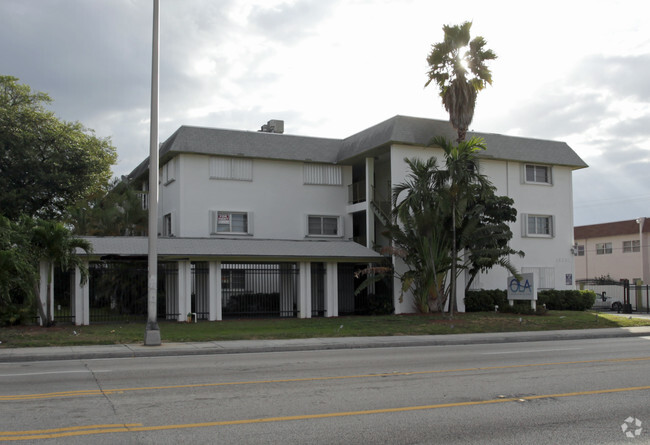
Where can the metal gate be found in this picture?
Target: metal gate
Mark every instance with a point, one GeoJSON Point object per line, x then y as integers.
{"type": "Point", "coordinates": [118, 290]}
{"type": "Point", "coordinates": [259, 289]}
{"type": "Point", "coordinates": [613, 295]}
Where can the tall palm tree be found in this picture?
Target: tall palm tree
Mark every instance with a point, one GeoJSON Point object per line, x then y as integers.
{"type": "Point", "coordinates": [458, 66]}
{"type": "Point", "coordinates": [461, 174]}
{"type": "Point", "coordinates": [55, 244]}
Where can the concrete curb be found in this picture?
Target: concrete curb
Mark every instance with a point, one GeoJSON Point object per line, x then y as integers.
{"type": "Point", "coordinates": [310, 344]}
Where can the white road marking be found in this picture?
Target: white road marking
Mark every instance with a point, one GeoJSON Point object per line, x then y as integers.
{"type": "Point", "coordinates": [528, 351]}
{"type": "Point", "coordinates": [50, 372]}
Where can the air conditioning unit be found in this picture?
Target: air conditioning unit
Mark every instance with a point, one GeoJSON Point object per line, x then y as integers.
{"type": "Point", "coordinates": [273, 126]}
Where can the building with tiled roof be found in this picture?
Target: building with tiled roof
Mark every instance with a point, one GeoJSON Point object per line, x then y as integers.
{"type": "Point", "coordinates": [618, 250]}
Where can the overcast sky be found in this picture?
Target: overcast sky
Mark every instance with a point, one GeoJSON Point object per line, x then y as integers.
{"type": "Point", "coordinates": [573, 71]}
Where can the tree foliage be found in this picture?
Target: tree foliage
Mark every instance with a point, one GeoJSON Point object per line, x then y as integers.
{"type": "Point", "coordinates": [55, 244]}
{"type": "Point", "coordinates": [458, 65]}
{"type": "Point", "coordinates": [116, 211]}
{"type": "Point", "coordinates": [46, 164]}
{"type": "Point", "coordinates": [18, 275]}
{"type": "Point", "coordinates": [426, 205]}
{"type": "Point", "coordinates": [23, 245]}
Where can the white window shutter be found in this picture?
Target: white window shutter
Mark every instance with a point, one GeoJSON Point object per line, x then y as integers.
{"type": "Point", "coordinates": [524, 224]}
{"type": "Point", "coordinates": [551, 224]}
{"type": "Point", "coordinates": [213, 221]}
{"type": "Point", "coordinates": [242, 169]}
{"type": "Point", "coordinates": [250, 223]}
{"type": "Point", "coordinates": [220, 168]}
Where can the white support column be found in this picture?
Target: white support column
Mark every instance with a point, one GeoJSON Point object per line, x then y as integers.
{"type": "Point", "coordinates": [304, 294]}
{"type": "Point", "coordinates": [184, 289]}
{"type": "Point", "coordinates": [331, 290]}
{"type": "Point", "coordinates": [370, 198]}
{"type": "Point", "coordinates": [42, 289]}
{"type": "Point", "coordinates": [81, 299]}
{"type": "Point", "coordinates": [215, 301]}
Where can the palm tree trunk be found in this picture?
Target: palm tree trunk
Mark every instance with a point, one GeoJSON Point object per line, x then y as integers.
{"type": "Point", "coordinates": [452, 299]}
{"type": "Point", "coordinates": [48, 300]}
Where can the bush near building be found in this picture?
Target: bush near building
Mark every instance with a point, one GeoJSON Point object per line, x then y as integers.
{"type": "Point", "coordinates": [556, 300]}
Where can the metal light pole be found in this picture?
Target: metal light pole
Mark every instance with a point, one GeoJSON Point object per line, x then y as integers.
{"type": "Point", "coordinates": [152, 331]}
{"type": "Point", "coordinates": [640, 221]}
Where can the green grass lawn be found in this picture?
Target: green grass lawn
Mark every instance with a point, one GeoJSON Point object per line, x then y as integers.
{"type": "Point", "coordinates": [124, 333]}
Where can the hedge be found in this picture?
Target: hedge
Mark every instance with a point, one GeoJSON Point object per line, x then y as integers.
{"type": "Point", "coordinates": [558, 300]}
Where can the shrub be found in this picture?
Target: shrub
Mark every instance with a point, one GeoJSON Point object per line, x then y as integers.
{"type": "Point", "coordinates": [566, 300]}
{"type": "Point", "coordinates": [558, 300]}
{"type": "Point", "coordinates": [485, 300]}
{"type": "Point", "coordinates": [381, 304]}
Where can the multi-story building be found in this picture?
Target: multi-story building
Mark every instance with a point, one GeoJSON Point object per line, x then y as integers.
{"type": "Point", "coordinates": [616, 250]}
{"type": "Point", "coordinates": [229, 199]}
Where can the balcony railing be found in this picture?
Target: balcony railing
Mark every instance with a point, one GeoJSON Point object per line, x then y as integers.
{"type": "Point", "coordinates": [357, 192]}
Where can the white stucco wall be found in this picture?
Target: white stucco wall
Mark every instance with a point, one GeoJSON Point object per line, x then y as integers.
{"type": "Point", "coordinates": [277, 198]}
{"type": "Point", "coordinates": [551, 253]}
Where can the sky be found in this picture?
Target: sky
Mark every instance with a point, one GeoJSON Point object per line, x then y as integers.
{"type": "Point", "coordinates": [572, 71]}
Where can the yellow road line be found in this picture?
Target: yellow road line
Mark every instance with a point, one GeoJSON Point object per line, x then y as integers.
{"type": "Point", "coordinates": [95, 392]}
{"type": "Point", "coordinates": [99, 429]}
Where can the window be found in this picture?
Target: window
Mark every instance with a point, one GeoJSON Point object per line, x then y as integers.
{"type": "Point", "coordinates": [167, 225]}
{"type": "Point", "coordinates": [322, 174]}
{"type": "Point", "coordinates": [168, 173]}
{"type": "Point", "coordinates": [631, 246]}
{"type": "Point", "coordinates": [538, 225]}
{"type": "Point", "coordinates": [231, 168]}
{"type": "Point", "coordinates": [233, 279]}
{"type": "Point", "coordinates": [323, 225]}
{"type": "Point", "coordinates": [540, 174]}
{"type": "Point", "coordinates": [228, 222]}
{"type": "Point", "coordinates": [580, 250]}
{"type": "Point", "coordinates": [603, 248]}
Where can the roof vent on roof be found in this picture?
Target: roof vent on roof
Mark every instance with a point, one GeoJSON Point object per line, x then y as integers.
{"type": "Point", "coordinates": [273, 126]}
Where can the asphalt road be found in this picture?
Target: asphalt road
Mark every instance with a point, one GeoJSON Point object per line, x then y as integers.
{"type": "Point", "coordinates": [573, 392]}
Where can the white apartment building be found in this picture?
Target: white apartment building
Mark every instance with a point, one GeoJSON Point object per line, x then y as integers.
{"type": "Point", "coordinates": [231, 199]}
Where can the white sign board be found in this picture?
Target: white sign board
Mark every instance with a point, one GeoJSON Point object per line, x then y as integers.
{"type": "Point", "coordinates": [523, 289]}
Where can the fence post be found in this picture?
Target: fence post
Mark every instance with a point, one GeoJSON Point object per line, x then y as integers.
{"type": "Point", "coordinates": [184, 289]}
{"type": "Point", "coordinates": [81, 299]}
{"type": "Point", "coordinates": [331, 290]}
{"type": "Point", "coordinates": [215, 299]}
{"type": "Point", "coordinates": [304, 293]}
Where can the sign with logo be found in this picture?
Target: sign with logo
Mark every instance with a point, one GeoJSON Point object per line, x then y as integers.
{"type": "Point", "coordinates": [523, 289]}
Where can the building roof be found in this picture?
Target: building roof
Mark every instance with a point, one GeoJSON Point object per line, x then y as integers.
{"type": "Point", "coordinates": [396, 130]}
{"type": "Point", "coordinates": [628, 227]}
{"type": "Point", "coordinates": [234, 249]}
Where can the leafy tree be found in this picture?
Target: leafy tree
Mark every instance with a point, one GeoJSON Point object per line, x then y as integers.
{"type": "Point", "coordinates": [56, 245]}
{"type": "Point", "coordinates": [116, 211]}
{"type": "Point", "coordinates": [488, 245]}
{"type": "Point", "coordinates": [458, 66]}
{"type": "Point", "coordinates": [422, 235]}
{"type": "Point", "coordinates": [417, 232]}
{"type": "Point", "coordinates": [18, 278]}
{"type": "Point", "coordinates": [46, 164]}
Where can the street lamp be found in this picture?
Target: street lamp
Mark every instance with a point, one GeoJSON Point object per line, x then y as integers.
{"type": "Point", "coordinates": [640, 221]}
{"type": "Point", "coordinates": [152, 331]}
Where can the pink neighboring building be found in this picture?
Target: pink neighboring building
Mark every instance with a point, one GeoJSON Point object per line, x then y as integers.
{"type": "Point", "coordinates": [616, 249]}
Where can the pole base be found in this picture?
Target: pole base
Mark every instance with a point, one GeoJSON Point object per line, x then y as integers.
{"type": "Point", "coordinates": [152, 334]}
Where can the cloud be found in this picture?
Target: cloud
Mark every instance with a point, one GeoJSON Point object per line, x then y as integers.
{"type": "Point", "coordinates": [624, 77]}
{"type": "Point", "coordinates": [290, 22]}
